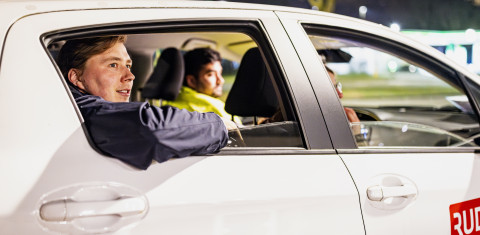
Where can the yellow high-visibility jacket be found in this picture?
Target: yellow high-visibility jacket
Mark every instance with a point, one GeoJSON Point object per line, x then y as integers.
{"type": "Point", "coordinates": [192, 100]}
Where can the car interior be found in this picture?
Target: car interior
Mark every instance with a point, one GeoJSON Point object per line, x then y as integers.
{"type": "Point", "coordinates": [250, 90]}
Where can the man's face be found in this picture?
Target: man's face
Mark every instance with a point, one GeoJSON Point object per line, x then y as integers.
{"type": "Point", "coordinates": [108, 75]}
{"type": "Point", "coordinates": [334, 81]}
{"type": "Point", "coordinates": [210, 80]}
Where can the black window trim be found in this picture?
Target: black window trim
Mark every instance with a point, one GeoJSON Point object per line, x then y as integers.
{"type": "Point", "coordinates": [399, 150]}
{"type": "Point", "coordinates": [253, 28]}
{"type": "Point", "coordinates": [275, 151]}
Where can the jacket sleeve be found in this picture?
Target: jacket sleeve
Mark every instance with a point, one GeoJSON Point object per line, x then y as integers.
{"type": "Point", "coordinates": [138, 133]}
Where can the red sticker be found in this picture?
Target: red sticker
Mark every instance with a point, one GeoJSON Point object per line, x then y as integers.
{"type": "Point", "coordinates": [465, 217]}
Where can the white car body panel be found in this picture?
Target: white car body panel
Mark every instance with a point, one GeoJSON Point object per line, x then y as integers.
{"type": "Point", "coordinates": [304, 194]}
{"type": "Point", "coordinates": [22, 32]}
{"type": "Point", "coordinates": [240, 196]}
{"type": "Point", "coordinates": [442, 179]}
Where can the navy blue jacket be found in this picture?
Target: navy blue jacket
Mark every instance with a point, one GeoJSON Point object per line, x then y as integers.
{"type": "Point", "coordinates": [137, 133]}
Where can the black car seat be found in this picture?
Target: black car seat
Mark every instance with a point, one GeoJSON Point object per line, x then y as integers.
{"type": "Point", "coordinates": [253, 94]}
{"type": "Point", "coordinates": [166, 79]}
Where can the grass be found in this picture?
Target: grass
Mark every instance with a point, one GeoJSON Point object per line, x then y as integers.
{"type": "Point", "coordinates": [360, 86]}
{"type": "Point", "coordinates": [372, 91]}
{"type": "Point", "coordinates": [363, 86]}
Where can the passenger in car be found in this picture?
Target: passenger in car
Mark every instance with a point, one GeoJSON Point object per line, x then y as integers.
{"type": "Point", "coordinates": [98, 73]}
{"type": "Point", "coordinates": [203, 84]}
{"type": "Point", "coordinates": [351, 114]}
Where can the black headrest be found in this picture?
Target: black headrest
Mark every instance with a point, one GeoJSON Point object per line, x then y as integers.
{"type": "Point", "coordinates": [252, 93]}
{"type": "Point", "coordinates": [167, 77]}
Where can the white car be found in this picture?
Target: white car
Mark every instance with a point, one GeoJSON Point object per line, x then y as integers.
{"type": "Point", "coordinates": [410, 166]}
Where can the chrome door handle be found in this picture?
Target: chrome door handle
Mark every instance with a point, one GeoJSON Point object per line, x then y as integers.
{"type": "Point", "coordinates": [67, 210]}
{"type": "Point", "coordinates": [91, 207]}
{"type": "Point", "coordinates": [378, 193]}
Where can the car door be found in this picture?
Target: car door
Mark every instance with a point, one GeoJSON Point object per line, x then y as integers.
{"type": "Point", "coordinates": [421, 175]}
{"type": "Point", "coordinates": [57, 182]}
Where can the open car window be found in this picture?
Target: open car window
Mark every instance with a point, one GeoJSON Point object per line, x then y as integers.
{"type": "Point", "coordinates": [253, 92]}
{"type": "Point", "coordinates": [400, 102]}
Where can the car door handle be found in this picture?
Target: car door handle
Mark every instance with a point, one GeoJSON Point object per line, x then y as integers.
{"type": "Point", "coordinates": [91, 208]}
{"type": "Point", "coordinates": [67, 210]}
{"type": "Point", "coordinates": [378, 193]}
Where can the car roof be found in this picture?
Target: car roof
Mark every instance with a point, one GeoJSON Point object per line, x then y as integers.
{"type": "Point", "coordinates": [26, 7]}
{"type": "Point", "coordinates": [12, 11]}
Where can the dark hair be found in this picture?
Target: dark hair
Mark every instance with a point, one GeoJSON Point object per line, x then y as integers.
{"type": "Point", "coordinates": [329, 69]}
{"type": "Point", "coordinates": [197, 58]}
{"type": "Point", "coordinates": [76, 52]}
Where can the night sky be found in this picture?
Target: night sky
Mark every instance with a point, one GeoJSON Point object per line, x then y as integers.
{"type": "Point", "coordinates": [409, 14]}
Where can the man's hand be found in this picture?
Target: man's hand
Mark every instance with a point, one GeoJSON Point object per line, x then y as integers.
{"type": "Point", "coordinates": [351, 115]}
{"type": "Point", "coordinates": [356, 129]}
{"type": "Point", "coordinates": [234, 135]}
{"type": "Point", "coordinates": [229, 124]}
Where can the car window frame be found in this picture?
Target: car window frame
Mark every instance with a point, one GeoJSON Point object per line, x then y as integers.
{"type": "Point", "coordinates": [407, 53]}
{"type": "Point", "coordinates": [252, 28]}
